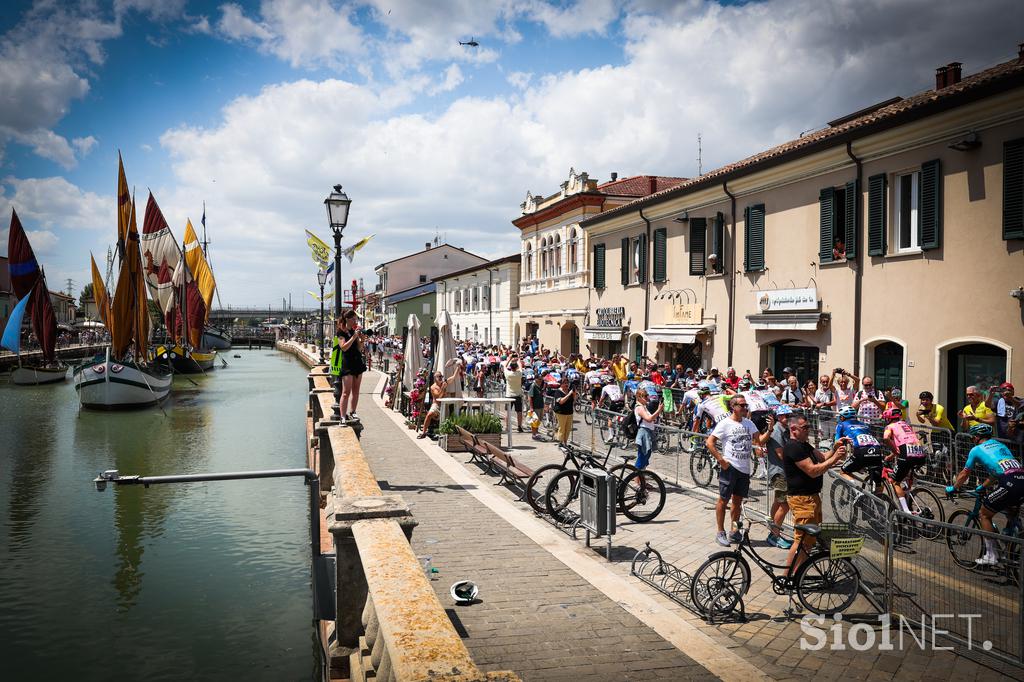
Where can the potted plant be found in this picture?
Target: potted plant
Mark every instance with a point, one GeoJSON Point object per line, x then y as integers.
{"type": "Point", "coordinates": [485, 426]}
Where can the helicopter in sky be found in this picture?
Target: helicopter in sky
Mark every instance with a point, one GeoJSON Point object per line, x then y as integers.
{"type": "Point", "coordinates": [470, 43]}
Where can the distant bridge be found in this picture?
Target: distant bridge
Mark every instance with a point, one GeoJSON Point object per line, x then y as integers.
{"type": "Point", "coordinates": [228, 314]}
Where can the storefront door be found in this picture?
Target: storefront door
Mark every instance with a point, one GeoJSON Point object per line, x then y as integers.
{"type": "Point", "coordinates": [976, 364]}
{"type": "Point", "coordinates": [889, 365]}
{"type": "Point", "coordinates": [802, 359]}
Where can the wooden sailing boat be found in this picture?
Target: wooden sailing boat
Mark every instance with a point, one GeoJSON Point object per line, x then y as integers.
{"type": "Point", "coordinates": [174, 290]}
{"type": "Point", "coordinates": [29, 284]}
{"type": "Point", "coordinates": [218, 338]}
{"type": "Point", "coordinates": [123, 379]}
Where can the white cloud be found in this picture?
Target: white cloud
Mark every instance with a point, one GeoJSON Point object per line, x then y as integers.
{"type": "Point", "coordinates": [84, 145]}
{"type": "Point", "coordinates": [302, 33]}
{"type": "Point", "coordinates": [43, 242]}
{"type": "Point", "coordinates": [519, 79]}
{"type": "Point", "coordinates": [746, 76]}
{"type": "Point", "coordinates": [158, 10]}
{"type": "Point", "coordinates": [451, 79]}
{"type": "Point", "coordinates": [592, 16]}
{"type": "Point", "coordinates": [146, 148]}
{"type": "Point", "coordinates": [56, 203]}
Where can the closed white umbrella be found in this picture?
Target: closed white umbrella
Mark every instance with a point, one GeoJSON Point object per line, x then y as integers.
{"type": "Point", "coordinates": [413, 360]}
{"type": "Point", "coordinates": [445, 356]}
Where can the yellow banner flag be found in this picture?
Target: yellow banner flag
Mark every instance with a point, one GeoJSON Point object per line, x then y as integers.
{"type": "Point", "coordinates": [99, 295]}
{"type": "Point", "coordinates": [321, 252]}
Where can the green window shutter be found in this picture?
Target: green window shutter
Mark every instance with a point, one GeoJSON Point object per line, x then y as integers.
{"type": "Point", "coordinates": [642, 270]}
{"type": "Point", "coordinates": [660, 266]}
{"type": "Point", "coordinates": [698, 244]}
{"type": "Point", "coordinates": [625, 261]}
{"type": "Point", "coordinates": [753, 242]}
{"type": "Point", "coordinates": [1013, 190]}
{"type": "Point", "coordinates": [718, 242]}
{"type": "Point", "coordinates": [599, 266]}
{"type": "Point", "coordinates": [826, 224]}
{"type": "Point", "coordinates": [929, 214]}
{"type": "Point", "coordinates": [877, 185]}
{"type": "Point", "coordinates": [852, 213]}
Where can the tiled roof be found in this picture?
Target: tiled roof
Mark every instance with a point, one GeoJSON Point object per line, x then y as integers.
{"type": "Point", "coordinates": [639, 185]}
{"type": "Point", "coordinates": [982, 84]}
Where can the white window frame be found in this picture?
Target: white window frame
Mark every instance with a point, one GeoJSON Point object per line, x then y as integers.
{"type": "Point", "coordinates": [897, 212]}
{"type": "Point", "coordinates": [634, 260]}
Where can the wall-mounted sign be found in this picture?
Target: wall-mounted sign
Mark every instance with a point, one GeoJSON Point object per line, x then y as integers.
{"type": "Point", "coordinates": [602, 333]}
{"type": "Point", "coordinates": [784, 300]}
{"type": "Point", "coordinates": [687, 313]}
{"type": "Point", "coordinates": [610, 317]}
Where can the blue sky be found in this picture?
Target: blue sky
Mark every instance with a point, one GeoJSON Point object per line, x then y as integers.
{"type": "Point", "coordinates": [259, 107]}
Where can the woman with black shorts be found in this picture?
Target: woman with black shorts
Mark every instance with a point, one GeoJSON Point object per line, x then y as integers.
{"type": "Point", "coordinates": [352, 366]}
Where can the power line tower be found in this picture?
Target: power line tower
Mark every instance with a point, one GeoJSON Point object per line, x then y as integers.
{"type": "Point", "coordinates": [71, 287]}
{"type": "Point", "coordinates": [110, 268]}
{"type": "Point", "coordinates": [700, 161]}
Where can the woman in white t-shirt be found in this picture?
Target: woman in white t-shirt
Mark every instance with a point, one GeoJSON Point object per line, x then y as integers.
{"type": "Point", "coordinates": [646, 422]}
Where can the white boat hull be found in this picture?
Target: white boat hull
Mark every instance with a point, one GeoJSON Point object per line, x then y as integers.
{"type": "Point", "coordinates": [34, 376]}
{"type": "Point", "coordinates": [110, 385]}
{"type": "Point", "coordinates": [215, 339]}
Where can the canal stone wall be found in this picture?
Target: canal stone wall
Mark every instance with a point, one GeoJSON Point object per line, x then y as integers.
{"type": "Point", "coordinates": [390, 624]}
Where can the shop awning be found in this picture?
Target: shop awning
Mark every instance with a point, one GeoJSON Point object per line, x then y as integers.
{"type": "Point", "coordinates": [602, 333]}
{"type": "Point", "coordinates": [677, 333]}
{"type": "Point", "coordinates": [794, 321]}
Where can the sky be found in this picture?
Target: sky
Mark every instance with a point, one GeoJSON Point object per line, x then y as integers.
{"type": "Point", "coordinates": [258, 108]}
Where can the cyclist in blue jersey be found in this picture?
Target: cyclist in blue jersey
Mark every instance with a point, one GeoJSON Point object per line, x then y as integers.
{"type": "Point", "coordinates": [1005, 471]}
{"type": "Point", "coordinates": [867, 451]}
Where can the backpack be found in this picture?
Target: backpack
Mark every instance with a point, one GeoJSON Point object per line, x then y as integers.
{"type": "Point", "coordinates": [630, 427]}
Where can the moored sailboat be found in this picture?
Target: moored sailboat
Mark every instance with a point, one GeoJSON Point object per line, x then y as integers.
{"type": "Point", "coordinates": [29, 284]}
{"type": "Point", "coordinates": [123, 379]}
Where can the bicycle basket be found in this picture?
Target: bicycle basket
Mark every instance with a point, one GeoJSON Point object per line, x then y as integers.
{"type": "Point", "coordinates": [841, 539]}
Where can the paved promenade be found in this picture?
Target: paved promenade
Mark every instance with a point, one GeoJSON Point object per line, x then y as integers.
{"type": "Point", "coordinates": [553, 609]}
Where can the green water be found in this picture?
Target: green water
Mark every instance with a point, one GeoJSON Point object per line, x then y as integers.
{"type": "Point", "coordinates": [200, 581]}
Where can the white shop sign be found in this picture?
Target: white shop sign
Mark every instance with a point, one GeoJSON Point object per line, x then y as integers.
{"type": "Point", "coordinates": [785, 300]}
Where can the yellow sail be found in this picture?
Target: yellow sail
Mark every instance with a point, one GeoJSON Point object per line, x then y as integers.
{"type": "Point", "coordinates": [141, 289]}
{"type": "Point", "coordinates": [99, 296]}
{"type": "Point", "coordinates": [124, 207]}
{"type": "Point", "coordinates": [199, 268]}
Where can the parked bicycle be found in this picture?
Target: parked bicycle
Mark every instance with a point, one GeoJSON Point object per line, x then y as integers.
{"type": "Point", "coordinates": [823, 585]}
{"type": "Point", "coordinates": [967, 545]}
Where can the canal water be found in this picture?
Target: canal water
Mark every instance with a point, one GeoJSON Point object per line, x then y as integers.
{"type": "Point", "coordinates": [198, 581]}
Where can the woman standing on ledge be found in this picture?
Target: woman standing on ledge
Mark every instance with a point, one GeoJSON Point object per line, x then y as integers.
{"type": "Point", "coordinates": [350, 343]}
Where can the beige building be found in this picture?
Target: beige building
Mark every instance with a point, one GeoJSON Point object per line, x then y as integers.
{"type": "Point", "coordinates": [889, 243]}
{"type": "Point", "coordinates": [554, 294]}
{"type": "Point", "coordinates": [483, 301]}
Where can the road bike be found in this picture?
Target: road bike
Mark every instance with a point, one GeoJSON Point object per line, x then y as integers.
{"type": "Point", "coordinates": [968, 544]}
{"type": "Point", "coordinates": [822, 584]}
{"type": "Point", "coordinates": [640, 493]}
{"type": "Point", "coordinates": [537, 484]}
{"type": "Point", "coordinates": [854, 502]}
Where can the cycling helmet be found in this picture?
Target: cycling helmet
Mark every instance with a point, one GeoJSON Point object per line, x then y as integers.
{"type": "Point", "coordinates": [847, 413]}
{"type": "Point", "coordinates": [464, 592]}
{"type": "Point", "coordinates": [703, 390]}
{"type": "Point", "coordinates": [605, 379]}
{"type": "Point", "coordinates": [892, 414]}
{"type": "Point", "coordinates": [981, 430]}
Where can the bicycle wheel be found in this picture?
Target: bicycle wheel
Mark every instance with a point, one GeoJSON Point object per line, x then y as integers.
{"type": "Point", "coordinates": [826, 586]}
{"type": "Point", "coordinates": [702, 469]}
{"type": "Point", "coordinates": [964, 545]}
{"type": "Point", "coordinates": [720, 583]}
{"type": "Point", "coordinates": [537, 486]}
{"type": "Point", "coordinates": [588, 414]}
{"type": "Point", "coordinates": [561, 491]}
{"type": "Point", "coordinates": [843, 496]}
{"type": "Point", "coordinates": [607, 431]}
{"type": "Point", "coordinates": [927, 507]}
{"type": "Point", "coordinates": [642, 496]}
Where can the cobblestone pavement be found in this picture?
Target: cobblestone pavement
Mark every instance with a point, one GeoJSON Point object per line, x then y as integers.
{"type": "Point", "coordinates": [544, 611]}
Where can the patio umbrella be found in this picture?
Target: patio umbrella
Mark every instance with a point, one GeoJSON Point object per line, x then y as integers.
{"type": "Point", "coordinates": [445, 355]}
{"type": "Point", "coordinates": [413, 360]}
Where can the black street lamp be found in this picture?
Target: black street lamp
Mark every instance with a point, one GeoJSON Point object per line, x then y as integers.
{"type": "Point", "coordinates": [321, 277]}
{"type": "Point", "coordinates": [337, 215]}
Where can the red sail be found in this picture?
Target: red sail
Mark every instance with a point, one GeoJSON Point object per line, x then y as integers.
{"type": "Point", "coordinates": [24, 267]}
{"type": "Point", "coordinates": [44, 321]}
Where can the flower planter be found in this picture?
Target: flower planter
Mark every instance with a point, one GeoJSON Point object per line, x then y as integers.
{"type": "Point", "coordinates": [453, 444]}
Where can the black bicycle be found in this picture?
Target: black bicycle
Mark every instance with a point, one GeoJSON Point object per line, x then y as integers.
{"type": "Point", "coordinates": [537, 484]}
{"type": "Point", "coordinates": [640, 493]}
{"type": "Point", "coordinates": [823, 585]}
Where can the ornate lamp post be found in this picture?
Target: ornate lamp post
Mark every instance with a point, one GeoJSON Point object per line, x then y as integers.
{"type": "Point", "coordinates": [321, 277]}
{"type": "Point", "coordinates": [337, 215]}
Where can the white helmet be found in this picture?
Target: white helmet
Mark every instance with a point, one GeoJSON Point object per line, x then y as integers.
{"type": "Point", "coordinates": [464, 592]}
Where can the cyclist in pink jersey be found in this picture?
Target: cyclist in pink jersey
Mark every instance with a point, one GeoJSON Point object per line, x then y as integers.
{"type": "Point", "coordinates": [906, 449]}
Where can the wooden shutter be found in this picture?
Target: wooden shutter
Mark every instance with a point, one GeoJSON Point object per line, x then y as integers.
{"type": "Point", "coordinates": [660, 266]}
{"type": "Point", "coordinates": [642, 270]}
{"type": "Point", "coordinates": [1013, 189]}
{"type": "Point", "coordinates": [698, 245]}
{"type": "Point", "coordinates": [625, 261]}
{"type": "Point", "coordinates": [826, 223]}
{"type": "Point", "coordinates": [877, 187]}
{"type": "Point", "coordinates": [852, 214]}
{"type": "Point", "coordinates": [753, 242]}
{"type": "Point", "coordinates": [599, 266]}
{"type": "Point", "coordinates": [929, 214]}
{"type": "Point", "coordinates": [718, 241]}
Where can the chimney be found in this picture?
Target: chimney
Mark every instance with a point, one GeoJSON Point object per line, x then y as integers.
{"type": "Point", "coordinates": [654, 183]}
{"type": "Point", "coordinates": [426, 247]}
{"type": "Point", "coordinates": [940, 77]}
{"type": "Point", "coordinates": [953, 71]}
{"type": "Point", "coordinates": [615, 176]}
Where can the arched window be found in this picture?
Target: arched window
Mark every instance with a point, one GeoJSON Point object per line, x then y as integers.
{"type": "Point", "coordinates": [544, 257]}
{"type": "Point", "coordinates": [528, 265]}
{"type": "Point", "coordinates": [557, 269]}
{"type": "Point", "coordinates": [573, 250]}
